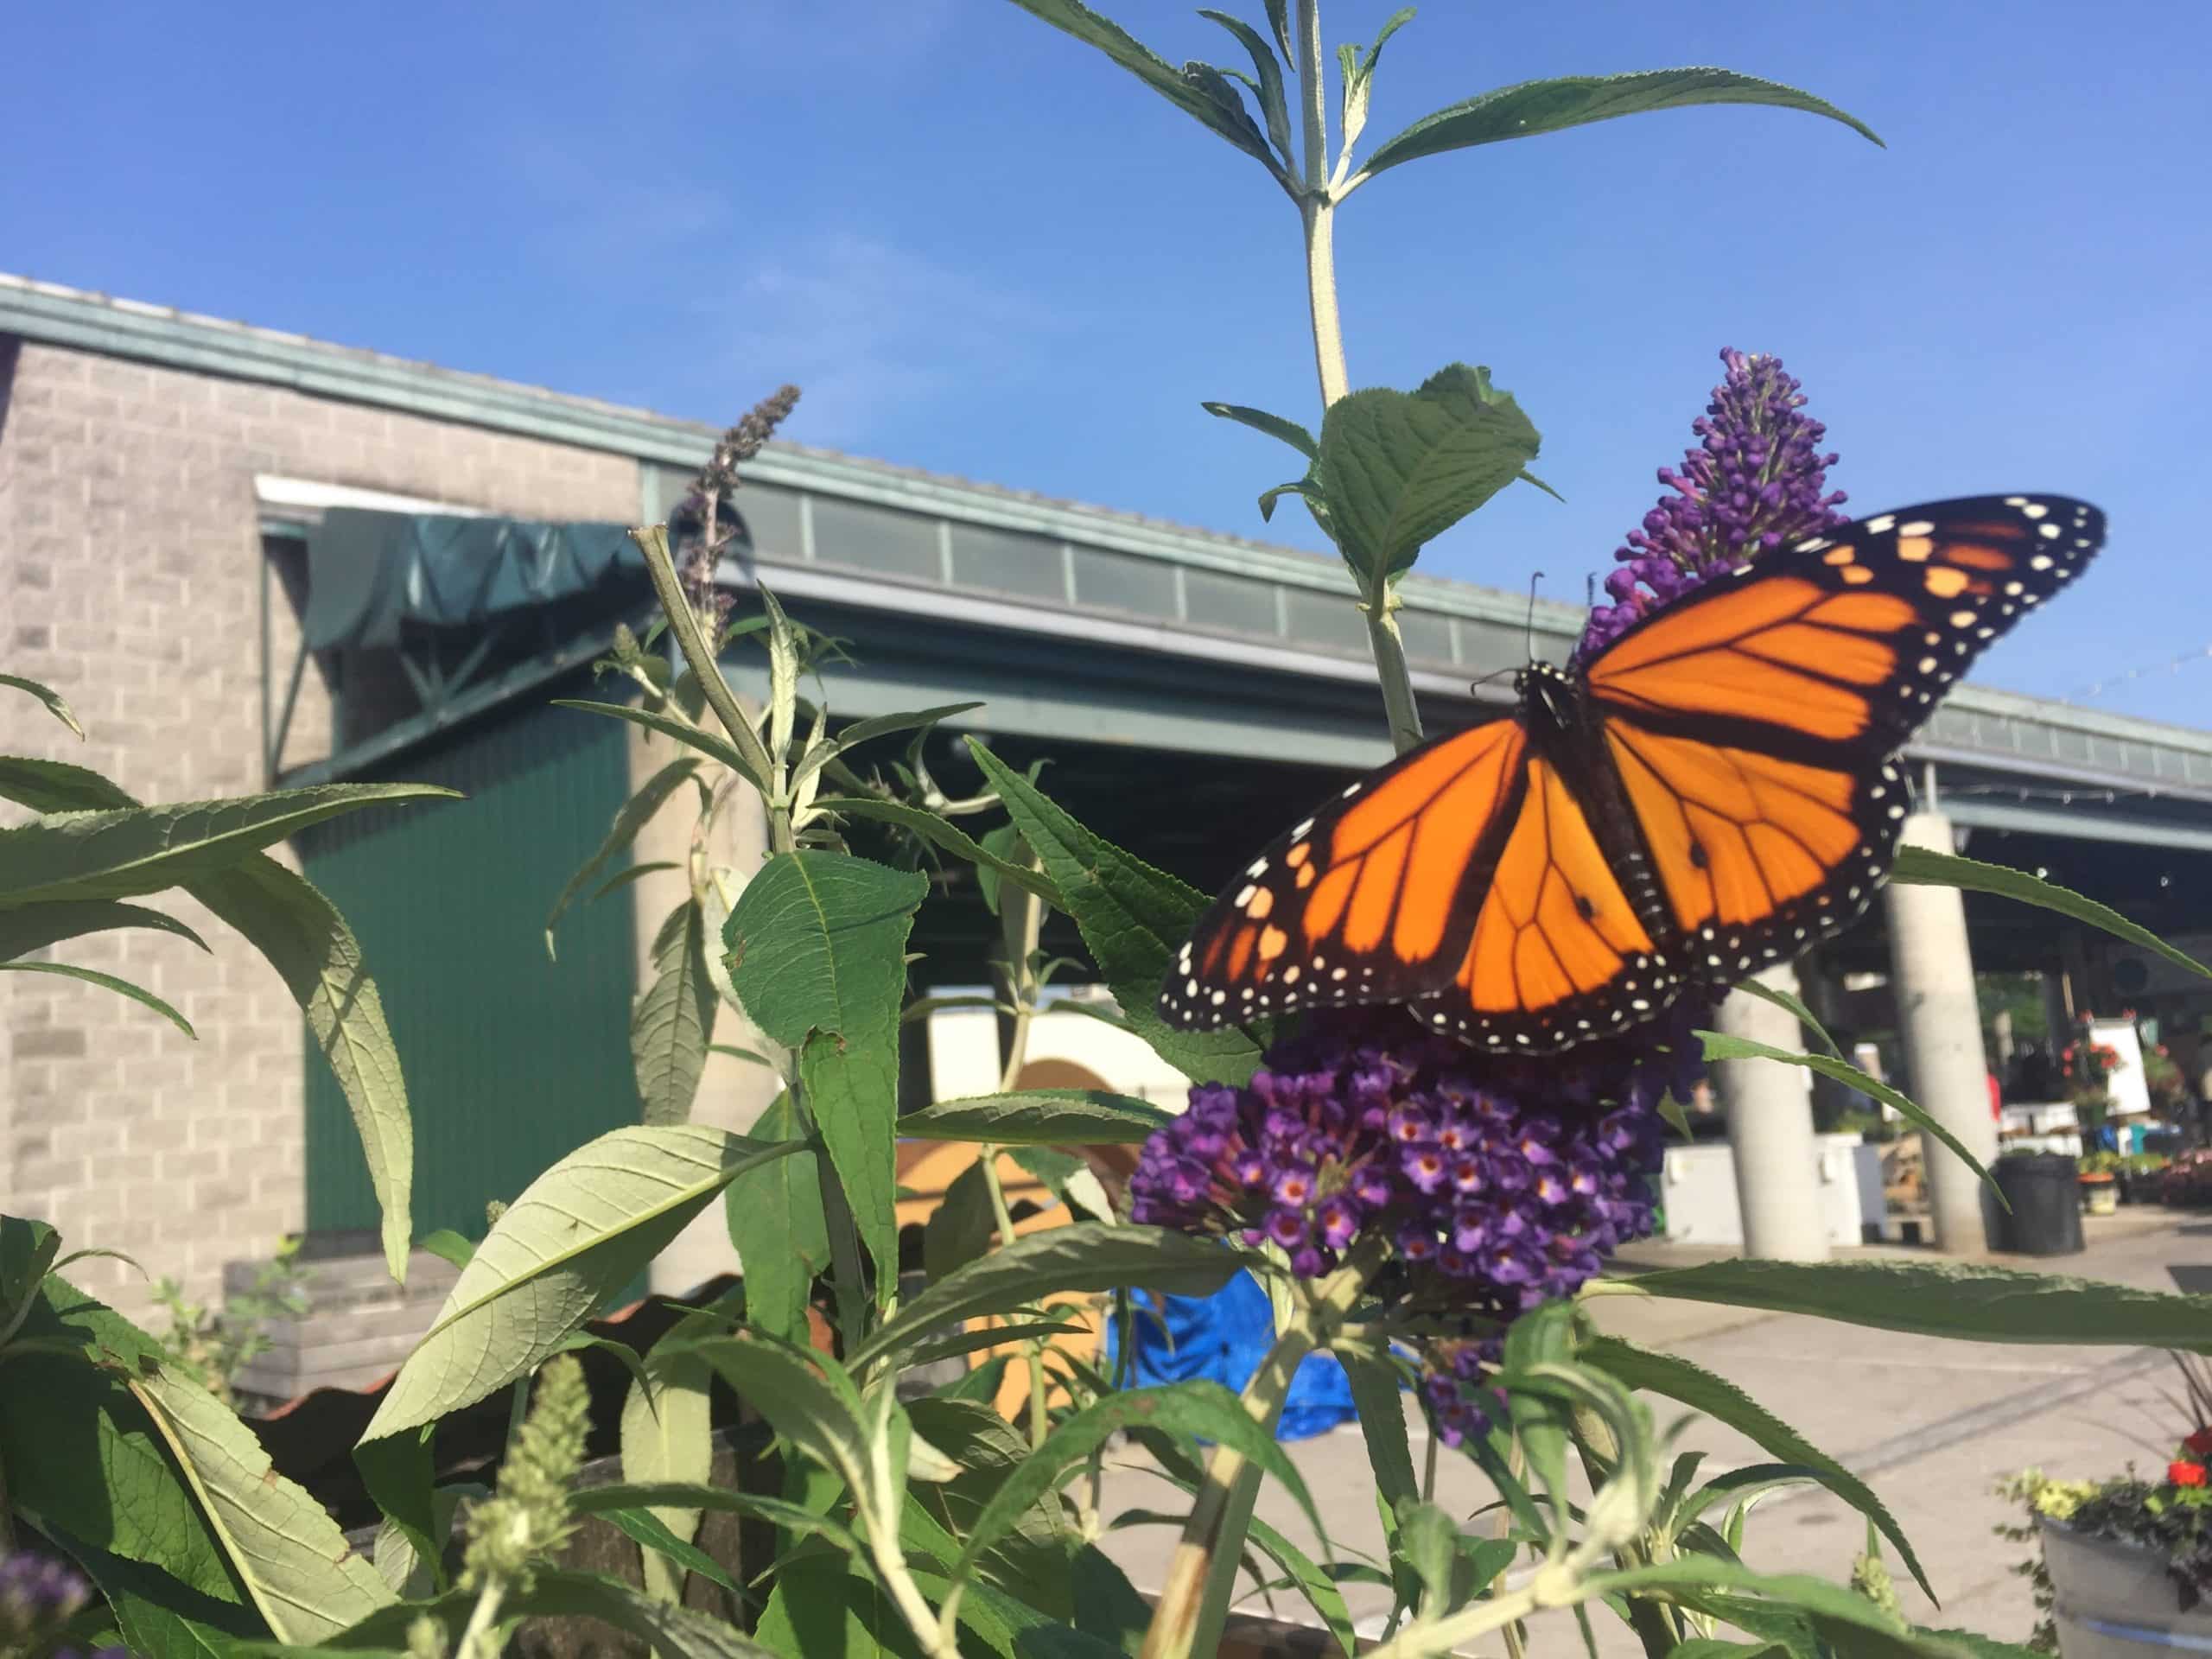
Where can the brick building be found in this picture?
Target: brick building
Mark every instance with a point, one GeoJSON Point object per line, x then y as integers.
{"type": "Point", "coordinates": [162, 478]}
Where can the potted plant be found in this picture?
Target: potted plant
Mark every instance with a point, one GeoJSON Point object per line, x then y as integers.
{"type": "Point", "coordinates": [2100, 1180]}
{"type": "Point", "coordinates": [2126, 1564]}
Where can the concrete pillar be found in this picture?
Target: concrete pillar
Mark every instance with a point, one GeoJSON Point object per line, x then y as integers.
{"type": "Point", "coordinates": [1770, 1129]}
{"type": "Point", "coordinates": [1932, 978]}
{"type": "Point", "coordinates": [732, 1093]}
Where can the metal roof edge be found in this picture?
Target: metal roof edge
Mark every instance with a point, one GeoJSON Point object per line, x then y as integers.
{"type": "Point", "coordinates": [53, 313]}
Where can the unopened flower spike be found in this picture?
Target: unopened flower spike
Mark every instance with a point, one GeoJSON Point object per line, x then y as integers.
{"type": "Point", "coordinates": [1756, 479]}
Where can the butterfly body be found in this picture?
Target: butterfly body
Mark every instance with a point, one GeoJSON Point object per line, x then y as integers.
{"type": "Point", "coordinates": [1715, 789]}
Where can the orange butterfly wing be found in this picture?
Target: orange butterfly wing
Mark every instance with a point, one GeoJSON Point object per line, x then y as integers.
{"type": "Point", "coordinates": [1722, 793]}
{"type": "Point", "coordinates": [1371, 900]}
{"type": "Point", "coordinates": [1753, 724]}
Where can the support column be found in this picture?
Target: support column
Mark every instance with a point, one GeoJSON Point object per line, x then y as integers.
{"type": "Point", "coordinates": [1932, 980]}
{"type": "Point", "coordinates": [1771, 1129]}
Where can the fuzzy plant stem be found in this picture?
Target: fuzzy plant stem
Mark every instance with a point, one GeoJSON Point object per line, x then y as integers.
{"type": "Point", "coordinates": [1317, 206]}
{"type": "Point", "coordinates": [1193, 1607]}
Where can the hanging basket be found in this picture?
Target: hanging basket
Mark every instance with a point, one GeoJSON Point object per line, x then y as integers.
{"type": "Point", "coordinates": [2115, 1599]}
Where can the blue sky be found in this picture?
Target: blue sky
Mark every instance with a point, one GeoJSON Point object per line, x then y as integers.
{"type": "Point", "coordinates": [987, 251]}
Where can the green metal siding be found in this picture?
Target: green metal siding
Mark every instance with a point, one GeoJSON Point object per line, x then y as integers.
{"type": "Point", "coordinates": [511, 1059]}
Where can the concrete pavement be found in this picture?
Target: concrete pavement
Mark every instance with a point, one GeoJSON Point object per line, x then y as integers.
{"type": "Point", "coordinates": [1930, 1425]}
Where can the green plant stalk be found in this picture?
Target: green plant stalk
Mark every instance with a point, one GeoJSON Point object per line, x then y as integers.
{"type": "Point", "coordinates": [478, 1640]}
{"type": "Point", "coordinates": [1317, 206]}
{"type": "Point", "coordinates": [1600, 1452]}
{"type": "Point", "coordinates": [1193, 1606]}
{"type": "Point", "coordinates": [847, 1277]}
{"type": "Point", "coordinates": [1025, 927]}
{"type": "Point", "coordinates": [653, 542]}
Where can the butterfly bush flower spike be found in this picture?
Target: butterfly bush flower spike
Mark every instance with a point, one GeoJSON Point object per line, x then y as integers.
{"type": "Point", "coordinates": [38, 1595]}
{"type": "Point", "coordinates": [1756, 480]}
{"type": "Point", "coordinates": [1496, 1184]}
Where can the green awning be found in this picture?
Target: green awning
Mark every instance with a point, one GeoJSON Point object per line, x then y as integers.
{"type": "Point", "coordinates": [369, 573]}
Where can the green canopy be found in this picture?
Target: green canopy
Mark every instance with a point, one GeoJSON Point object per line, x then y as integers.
{"type": "Point", "coordinates": [369, 572]}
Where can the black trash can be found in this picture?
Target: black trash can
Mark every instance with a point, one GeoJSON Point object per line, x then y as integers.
{"type": "Point", "coordinates": [2045, 1195]}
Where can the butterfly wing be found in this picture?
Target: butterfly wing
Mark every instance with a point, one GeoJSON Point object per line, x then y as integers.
{"type": "Point", "coordinates": [1559, 954]}
{"type": "Point", "coordinates": [1752, 725]}
{"type": "Point", "coordinates": [1370, 900]}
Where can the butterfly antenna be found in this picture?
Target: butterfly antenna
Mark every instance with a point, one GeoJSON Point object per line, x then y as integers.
{"type": "Point", "coordinates": [1531, 629]}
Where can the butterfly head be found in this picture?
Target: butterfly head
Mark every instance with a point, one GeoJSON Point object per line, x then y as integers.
{"type": "Point", "coordinates": [1547, 690]}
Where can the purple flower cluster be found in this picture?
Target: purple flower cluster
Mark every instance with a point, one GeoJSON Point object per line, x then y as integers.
{"type": "Point", "coordinates": [1757, 479]}
{"type": "Point", "coordinates": [38, 1594]}
{"type": "Point", "coordinates": [1497, 1184]}
{"type": "Point", "coordinates": [1453, 1382]}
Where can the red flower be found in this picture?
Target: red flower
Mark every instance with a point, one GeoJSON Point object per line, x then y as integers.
{"type": "Point", "coordinates": [2199, 1445]}
{"type": "Point", "coordinates": [2185, 1474]}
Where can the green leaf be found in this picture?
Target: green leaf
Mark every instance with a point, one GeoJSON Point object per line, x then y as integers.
{"type": "Point", "coordinates": [83, 1456]}
{"type": "Point", "coordinates": [578, 1234]}
{"type": "Point", "coordinates": [1273, 108]}
{"type": "Point", "coordinates": [35, 926]}
{"type": "Point", "coordinates": [1534, 106]}
{"type": "Point", "coordinates": [1791, 1004]}
{"type": "Point", "coordinates": [672, 1021]}
{"type": "Point", "coordinates": [777, 1226]}
{"type": "Point", "coordinates": [1039, 1117]}
{"type": "Point", "coordinates": [123, 852]}
{"type": "Point", "coordinates": [1195, 1407]}
{"type": "Point", "coordinates": [1541, 1339]}
{"type": "Point", "coordinates": [1718, 1398]}
{"type": "Point", "coordinates": [1307, 489]}
{"type": "Point", "coordinates": [303, 938]}
{"type": "Point", "coordinates": [883, 725]}
{"type": "Point", "coordinates": [1918, 867]}
{"type": "Point", "coordinates": [816, 946]}
{"type": "Point", "coordinates": [1845, 1619]}
{"type": "Point", "coordinates": [635, 872]}
{"type": "Point", "coordinates": [943, 833]}
{"type": "Point", "coordinates": [1030, 1558]}
{"type": "Point", "coordinates": [1721, 1047]}
{"type": "Point", "coordinates": [636, 813]}
{"type": "Point", "coordinates": [1133, 918]}
{"type": "Point", "coordinates": [1183, 90]}
{"type": "Point", "coordinates": [157, 1615]}
{"type": "Point", "coordinates": [26, 1251]}
{"type": "Point", "coordinates": [1975, 1302]}
{"type": "Point", "coordinates": [991, 1336]}
{"type": "Point", "coordinates": [596, 1500]}
{"type": "Point", "coordinates": [1260, 421]}
{"type": "Point", "coordinates": [668, 1437]}
{"type": "Point", "coordinates": [1083, 1255]}
{"type": "Point", "coordinates": [807, 1411]}
{"type": "Point", "coordinates": [106, 982]}
{"type": "Point", "coordinates": [669, 1633]}
{"type": "Point", "coordinates": [293, 1560]}
{"type": "Point", "coordinates": [961, 1227]}
{"type": "Point", "coordinates": [401, 1474]}
{"type": "Point", "coordinates": [1313, 1583]}
{"type": "Point", "coordinates": [449, 1246]}
{"type": "Point", "coordinates": [1971, 1645]}
{"type": "Point", "coordinates": [1430, 1543]}
{"type": "Point", "coordinates": [1374, 1392]}
{"type": "Point", "coordinates": [715, 747]}
{"type": "Point", "coordinates": [48, 696]}
{"type": "Point", "coordinates": [667, 1554]}
{"type": "Point", "coordinates": [1398, 469]}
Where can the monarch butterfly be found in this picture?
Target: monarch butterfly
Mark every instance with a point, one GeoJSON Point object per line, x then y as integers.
{"type": "Point", "coordinates": [1714, 791]}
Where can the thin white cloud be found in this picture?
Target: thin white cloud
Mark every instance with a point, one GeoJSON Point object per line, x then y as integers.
{"type": "Point", "coordinates": [864, 327]}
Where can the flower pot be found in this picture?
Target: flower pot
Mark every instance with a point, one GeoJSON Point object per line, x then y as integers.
{"type": "Point", "coordinates": [2113, 1600]}
{"type": "Point", "coordinates": [2100, 1194]}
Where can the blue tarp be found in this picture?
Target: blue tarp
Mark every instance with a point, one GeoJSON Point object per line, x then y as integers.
{"type": "Point", "coordinates": [1223, 1337]}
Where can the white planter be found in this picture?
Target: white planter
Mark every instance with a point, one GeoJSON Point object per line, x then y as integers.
{"type": "Point", "coordinates": [2114, 1600]}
